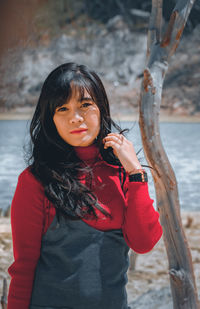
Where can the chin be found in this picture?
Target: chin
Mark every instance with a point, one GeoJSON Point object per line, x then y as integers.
{"type": "Point", "coordinates": [81, 144]}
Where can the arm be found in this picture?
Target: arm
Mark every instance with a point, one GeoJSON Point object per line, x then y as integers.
{"type": "Point", "coordinates": [27, 220]}
{"type": "Point", "coordinates": [141, 227]}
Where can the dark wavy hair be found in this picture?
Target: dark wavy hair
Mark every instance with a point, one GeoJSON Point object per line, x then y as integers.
{"type": "Point", "coordinates": [52, 160]}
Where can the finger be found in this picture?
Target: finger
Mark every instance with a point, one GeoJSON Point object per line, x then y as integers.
{"type": "Point", "coordinates": [118, 135]}
{"type": "Point", "coordinates": [112, 144]}
{"type": "Point", "coordinates": [111, 137]}
{"type": "Point", "coordinates": [118, 138]}
{"type": "Point", "coordinates": [114, 141]}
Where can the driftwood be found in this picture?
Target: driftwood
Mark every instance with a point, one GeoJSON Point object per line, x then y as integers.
{"type": "Point", "coordinates": [132, 260]}
{"type": "Point", "coordinates": [159, 50]}
{"type": "Point", "coordinates": [6, 212]}
{"type": "Point", "coordinates": [4, 296]}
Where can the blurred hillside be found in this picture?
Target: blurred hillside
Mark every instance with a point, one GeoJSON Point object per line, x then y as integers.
{"type": "Point", "coordinates": [109, 36]}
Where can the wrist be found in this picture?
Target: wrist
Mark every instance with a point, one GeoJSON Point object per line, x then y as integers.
{"type": "Point", "coordinates": [135, 170]}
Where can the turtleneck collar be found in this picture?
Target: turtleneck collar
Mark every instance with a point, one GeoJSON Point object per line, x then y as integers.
{"type": "Point", "coordinates": [87, 153]}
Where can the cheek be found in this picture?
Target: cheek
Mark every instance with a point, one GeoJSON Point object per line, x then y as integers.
{"type": "Point", "coordinates": [94, 116]}
{"type": "Point", "coordinates": [60, 124]}
{"type": "Point", "coordinates": [95, 122]}
{"type": "Point", "coordinates": [56, 122]}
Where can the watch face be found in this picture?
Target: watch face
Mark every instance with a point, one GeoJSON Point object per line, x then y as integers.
{"type": "Point", "coordinates": [145, 177]}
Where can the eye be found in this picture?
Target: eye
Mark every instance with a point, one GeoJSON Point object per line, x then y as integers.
{"type": "Point", "coordinates": [86, 104]}
{"type": "Point", "coordinates": [62, 109]}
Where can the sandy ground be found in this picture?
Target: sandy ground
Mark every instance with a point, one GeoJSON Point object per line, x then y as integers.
{"type": "Point", "coordinates": [151, 271]}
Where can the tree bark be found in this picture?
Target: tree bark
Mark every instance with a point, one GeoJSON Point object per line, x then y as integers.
{"type": "Point", "coordinates": [159, 51]}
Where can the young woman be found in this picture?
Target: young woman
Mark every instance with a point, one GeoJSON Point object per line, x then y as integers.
{"type": "Point", "coordinates": [80, 205]}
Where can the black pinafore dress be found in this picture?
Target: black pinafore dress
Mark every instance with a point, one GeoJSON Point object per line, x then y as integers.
{"type": "Point", "coordinates": [80, 267]}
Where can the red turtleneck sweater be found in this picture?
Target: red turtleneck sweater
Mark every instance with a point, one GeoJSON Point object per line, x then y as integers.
{"type": "Point", "coordinates": [131, 208]}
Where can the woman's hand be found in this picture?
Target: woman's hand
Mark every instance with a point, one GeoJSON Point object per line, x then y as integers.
{"type": "Point", "coordinates": [123, 150]}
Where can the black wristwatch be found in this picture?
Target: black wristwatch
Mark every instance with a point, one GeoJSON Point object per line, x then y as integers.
{"type": "Point", "coordinates": [141, 177]}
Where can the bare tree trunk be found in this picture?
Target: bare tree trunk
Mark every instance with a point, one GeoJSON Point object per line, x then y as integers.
{"type": "Point", "coordinates": [159, 51]}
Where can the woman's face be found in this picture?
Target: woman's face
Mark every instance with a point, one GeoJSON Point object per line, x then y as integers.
{"type": "Point", "coordinates": [77, 114]}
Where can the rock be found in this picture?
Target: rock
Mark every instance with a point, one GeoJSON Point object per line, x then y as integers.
{"type": "Point", "coordinates": [140, 14]}
{"type": "Point", "coordinates": [116, 23]}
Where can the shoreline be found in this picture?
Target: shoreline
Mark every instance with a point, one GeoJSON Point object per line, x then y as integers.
{"type": "Point", "coordinates": [116, 117]}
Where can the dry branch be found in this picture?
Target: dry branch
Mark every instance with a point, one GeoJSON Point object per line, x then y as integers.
{"type": "Point", "coordinates": [155, 23]}
{"type": "Point", "coordinates": [159, 51]}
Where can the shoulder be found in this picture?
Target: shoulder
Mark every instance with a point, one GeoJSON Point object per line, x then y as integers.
{"type": "Point", "coordinates": [27, 176]}
{"type": "Point", "coordinates": [29, 183]}
{"type": "Point", "coordinates": [29, 192]}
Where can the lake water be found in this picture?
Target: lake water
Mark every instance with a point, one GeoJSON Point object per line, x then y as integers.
{"type": "Point", "coordinates": [181, 142]}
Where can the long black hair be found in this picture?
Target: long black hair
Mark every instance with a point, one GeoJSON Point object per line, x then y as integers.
{"type": "Point", "coordinates": [52, 160]}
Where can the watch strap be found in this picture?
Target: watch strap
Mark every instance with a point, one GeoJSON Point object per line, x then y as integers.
{"type": "Point", "coordinates": [139, 177]}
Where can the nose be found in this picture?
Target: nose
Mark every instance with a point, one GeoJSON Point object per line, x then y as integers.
{"type": "Point", "coordinates": [76, 117]}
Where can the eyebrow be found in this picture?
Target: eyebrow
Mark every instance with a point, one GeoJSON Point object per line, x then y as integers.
{"type": "Point", "coordinates": [86, 99]}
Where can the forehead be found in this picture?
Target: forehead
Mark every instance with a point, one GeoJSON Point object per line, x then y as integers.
{"type": "Point", "coordinates": [79, 93]}
{"type": "Point", "coordinates": [76, 91]}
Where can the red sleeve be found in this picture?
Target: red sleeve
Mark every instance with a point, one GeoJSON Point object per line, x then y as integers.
{"type": "Point", "coordinates": [27, 220]}
{"type": "Point", "coordinates": [141, 227]}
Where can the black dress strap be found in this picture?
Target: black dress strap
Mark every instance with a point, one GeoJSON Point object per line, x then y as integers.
{"type": "Point", "coordinates": [122, 176]}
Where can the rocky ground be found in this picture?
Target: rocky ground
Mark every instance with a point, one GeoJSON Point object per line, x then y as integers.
{"type": "Point", "coordinates": [148, 284]}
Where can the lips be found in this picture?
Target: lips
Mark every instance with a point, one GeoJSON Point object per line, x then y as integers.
{"type": "Point", "coordinates": [78, 131]}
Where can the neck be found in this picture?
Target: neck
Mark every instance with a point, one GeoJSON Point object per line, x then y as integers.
{"type": "Point", "coordinates": [87, 153]}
